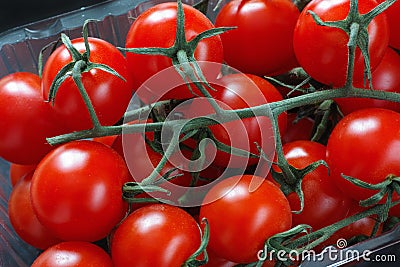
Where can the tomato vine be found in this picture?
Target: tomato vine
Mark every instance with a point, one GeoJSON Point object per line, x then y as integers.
{"type": "Point", "coordinates": [355, 25]}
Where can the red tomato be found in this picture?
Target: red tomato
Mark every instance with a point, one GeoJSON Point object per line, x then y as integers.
{"type": "Point", "coordinates": [17, 171]}
{"type": "Point", "coordinates": [323, 51]}
{"type": "Point", "coordinates": [364, 145]}
{"type": "Point", "coordinates": [262, 44]}
{"type": "Point", "coordinates": [73, 254]}
{"type": "Point", "coordinates": [27, 120]}
{"type": "Point", "coordinates": [395, 211]}
{"type": "Point", "coordinates": [156, 27]}
{"type": "Point", "coordinates": [76, 190]}
{"type": "Point", "coordinates": [23, 218]}
{"type": "Point", "coordinates": [392, 14]}
{"type": "Point", "coordinates": [241, 221]}
{"type": "Point", "coordinates": [155, 235]}
{"type": "Point", "coordinates": [298, 130]}
{"type": "Point", "coordinates": [324, 204]}
{"type": "Point", "coordinates": [386, 77]}
{"type": "Point", "coordinates": [236, 91]}
{"type": "Point", "coordinates": [109, 94]}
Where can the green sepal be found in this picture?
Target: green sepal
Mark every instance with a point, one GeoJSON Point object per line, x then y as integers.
{"type": "Point", "coordinates": [192, 261]}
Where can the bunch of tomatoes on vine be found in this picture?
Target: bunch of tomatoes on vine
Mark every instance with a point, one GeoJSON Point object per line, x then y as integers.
{"type": "Point", "coordinates": [274, 128]}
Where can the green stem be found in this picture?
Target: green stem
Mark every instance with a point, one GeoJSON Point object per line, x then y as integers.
{"type": "Point", "coordinates": [77, 76]}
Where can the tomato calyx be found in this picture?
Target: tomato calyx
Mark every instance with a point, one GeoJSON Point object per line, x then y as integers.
{"type": "Point", "coordinates": [182, 55]}
{"type": "Point", "coordinates": [356, 26]}
{"type": "Point", "coordinates": [386, 189]}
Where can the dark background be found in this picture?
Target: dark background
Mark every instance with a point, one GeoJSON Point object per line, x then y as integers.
{"type": "Point", "coordinates": [19, 12]}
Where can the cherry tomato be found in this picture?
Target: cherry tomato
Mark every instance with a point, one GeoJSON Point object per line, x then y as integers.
{"type": "Point", "coordinates": [392, 14]}
{"type": "Point", "coordinates": [324, 204]}
{"type": "Point", "coordinates": [141, 160]}
{"type": "Point", "coordinates": [76, 190]}
{"type": "Point", "coordinates": [323, 51]}
{"type": "Point", "coordinates": [17, 171]}
{"type": "Point", "coordinates": [73, 254]}
{"type": "Point", "coordinates": [241, 221]}
{"type": "Point", "coordinates": [395, 211]}
{"type": "Point", "coordinates": [156, 27]}
{"type": "Point", "coordinates": [27, 120]}
{"type": "Point", "coordinates": [109, 94]}
{"type": "Point", "coordinates": [262, 43]}
{"type": "Point", "coordinates": [23, 218]}
{"type": "Point", "coordinates": [155, 235]}
{"type": "Point", "coordinates": [364, 145]}
{"type": "Point", "coordinates": [386, 77]}
{"type": "Point", "coordinates": [236, 91]}
{"type": "Point", "coordinates": [107, 140]}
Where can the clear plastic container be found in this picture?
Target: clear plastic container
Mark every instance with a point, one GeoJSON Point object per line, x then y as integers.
{"type": "Point", "coordinates": [19, 51]}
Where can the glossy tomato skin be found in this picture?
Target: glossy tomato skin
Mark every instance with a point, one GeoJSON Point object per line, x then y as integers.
{"type": "Point", "coordinates": [324, 203]}
{"type": "Point", "coordinates": [73, 254]}
{"type": "Point", "coordinates": [76, 190]}
{"type": "Point", "coordinates": [156, 27]}
{"type": "Point", "coordinates": [24, 219]}
{"type": "Point", "coordinates": [27, 120]}
{"type": "Point", "coordinates": [386, 77]}
{"type": "Point", "coordinates": [241, 221]}
{"type": "Point", "coordinates": [17, 171]}
{"type": "Point", "coordinates": [236, 91]}
{"type": "Point", "coordinates": [262, 43]}
{"type": "Point", "coordinates": [325, 60]}
{"type": "Point", "coordinates": [155, 235]}
{"type": "Point", "coordinates": [392, 14]}
{"type": "Point", "coordinates": [109, 94]}
{"type": "Point", "coordinates": [364, 145]}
